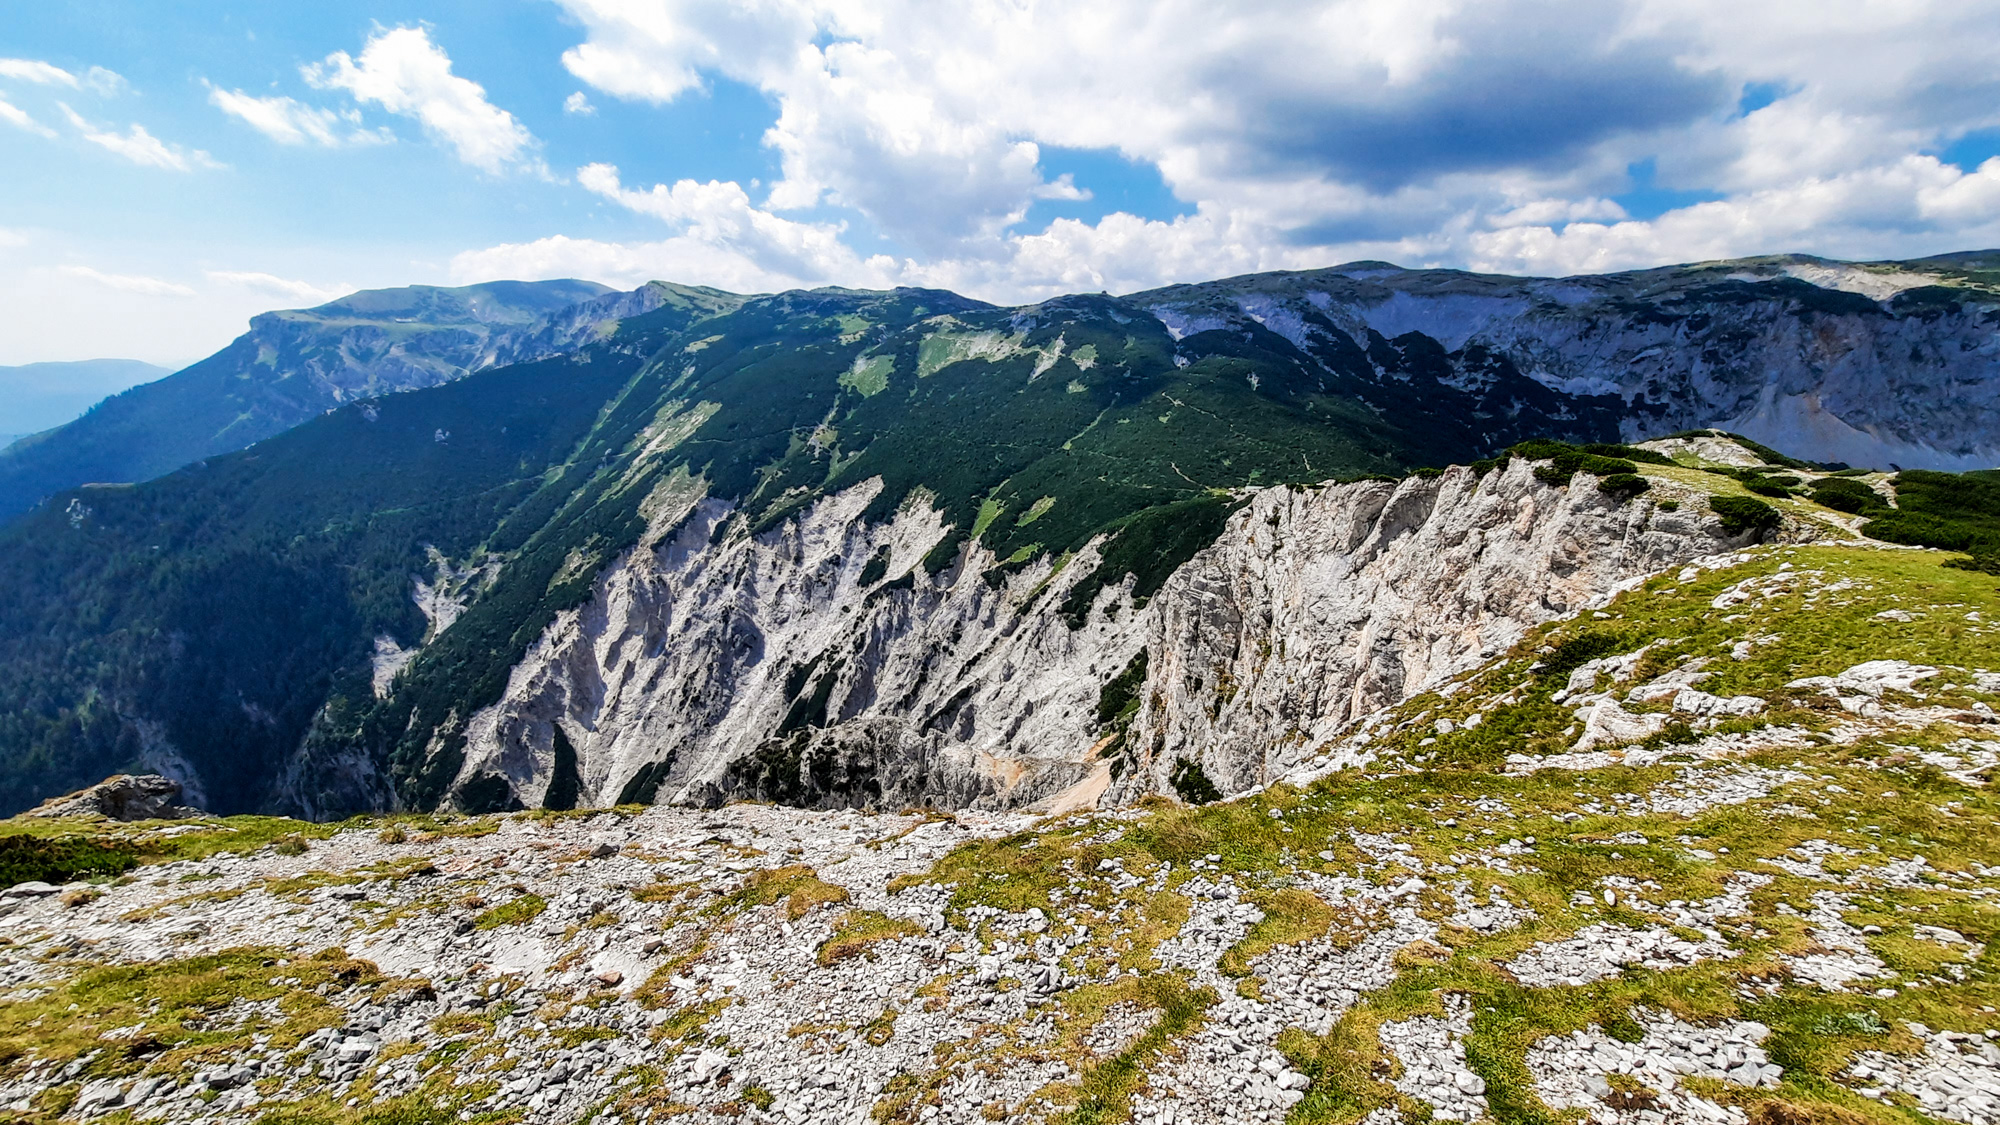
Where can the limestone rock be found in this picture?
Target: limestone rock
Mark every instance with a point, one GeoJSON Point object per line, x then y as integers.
{"type": "Point", "coordinates": [122, 797]}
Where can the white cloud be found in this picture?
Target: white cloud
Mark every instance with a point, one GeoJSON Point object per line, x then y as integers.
{"type": "Point", "coordinates": [303, 292]}
{"type": "Point", "coordinates": [129, 283]}
{"type": "Point", "coordinates": [105, 81]}
{"type": "Point", "coordinates": [290, 122]}
{"type": "Point", "coordinates": [579, 105]}
{"type": "Point", "coordinates": [402, 71]}
{"type": "Point", "coordinates": [17, 117]}
{"type": "Point", "coordinates": [1495, 134]}
{"type": "Point", "coordinates": [1913, 207]}
{"type": "Point", "coordinates": [139, 146]}
{"type": "Point", "coordinates": [719, 216]}
{"type": "Point", "coordinates": [41, 73]}
{"type": "Point", "coordinates": [38, 72]}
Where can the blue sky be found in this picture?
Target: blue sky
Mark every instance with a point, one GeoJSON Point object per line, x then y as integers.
{"type": "Point", "coordinates": [174, 168]}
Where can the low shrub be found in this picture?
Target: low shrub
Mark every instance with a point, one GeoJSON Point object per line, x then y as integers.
{"type": "Point", "coordinates": [1624, 486]}
{"type": "Point", "coordinates": [1740, 514]}
{"type": "Point", "coordinates": [1844, 494]}
{"type": "Point", "coordinates": [34, 859]}
{"type": "Point", "coordinates": [1192, 783]}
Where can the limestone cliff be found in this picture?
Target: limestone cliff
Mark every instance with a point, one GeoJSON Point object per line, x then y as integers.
{"type": "Point", "coordinates": [1870, 364]}
{"type": "Point", "coordinates": [818, 664]}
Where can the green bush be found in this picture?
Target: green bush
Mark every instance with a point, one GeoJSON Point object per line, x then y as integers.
{"type": "Point", "coordinates": [1740, 514]}
{"type": "Point", "coordinates": [1118, 701]}
{"type": "Point", "coordinates": [1952, 512]}
{"type": "Point", "coordinates": [1193, 784]}
{"type": "Point", "coordinates": [1572, 653]}
{"type": "Point", "coordinates": [1845, 495]}
{"type": "Point", "coordinates": [63, 860]}
{"type": "Point", "coordinates": [1624, 486]}
{"type": "Point", "coordinates": [1565, 461]}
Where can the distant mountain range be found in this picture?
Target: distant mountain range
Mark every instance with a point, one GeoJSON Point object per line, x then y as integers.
{"type": "Point", "coordinates": [297, 364]}
{"type": "Point", "coordinates": [472, 592]}
{"type": "Point", "coordinates": [41, 396]}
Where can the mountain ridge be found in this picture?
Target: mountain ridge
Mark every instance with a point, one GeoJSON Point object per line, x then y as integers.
{"type": "Point", "coordinates": [330, 617]}
{"type": "Point", "coordinates": [293, 365]}
{"type": "Point", "coordinates": [41, 396]}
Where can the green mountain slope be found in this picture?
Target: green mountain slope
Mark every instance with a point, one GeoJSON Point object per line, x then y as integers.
{"type": "Point", "coordinates": [41, 396]}
{"type": "Point", "coordinates": [225, 615]}
{"type": "Point", "coordinates": [291, 366]}
{"type": "Point", "coordinates": [228, 610]}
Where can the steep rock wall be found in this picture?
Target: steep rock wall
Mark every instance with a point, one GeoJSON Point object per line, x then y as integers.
{"type": "Point", "coordinates": [1317, 607]}
{"type": "Point", "coordinates": [816, 665]}
{"type": "Point", "coordinates": [1821, 373]}
{"type": "Point", "coordinates": [787, 667]}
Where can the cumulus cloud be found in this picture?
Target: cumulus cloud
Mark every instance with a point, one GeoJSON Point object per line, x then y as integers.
{"type": "Point", "coordinates": [129, 283]}
{"type": "Point", "coordinates": [1914, 206]}
{"type": "Point", "coordinates": [139, 146]}
{"type": "Point", "coordinates": [579, 105]}
{"type": "Point", "coordinates": [404, 72]}
{"type": "Point", "coordinates": [719, 215]}
{"type": "Point", "coordinates": [291, 122]}
{"type": "Point", "coordinates": [1498, 134]}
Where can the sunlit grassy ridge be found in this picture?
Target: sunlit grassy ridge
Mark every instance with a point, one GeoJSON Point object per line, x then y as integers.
{"type": "Point", "coordinates": [1830, 798]}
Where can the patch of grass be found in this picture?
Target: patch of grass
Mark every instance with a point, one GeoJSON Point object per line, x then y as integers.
{"type": "Point", "coordinates": [1344, 1067]}
{"type": "Point", "coordinates": [61, 859]}
{"type": "Point", "coordinates": [177, 1005]}
{"type": "Point", "coordinates": [798, 886]}
{"type": "Point", "coordinates": [1291, 916]}
{"type": "Point", "coordinates": [1104, 1092]}
{"type": "Point", "coordinates": [513, 912]}
{"type": "Point", "coordinates": [858, 931]}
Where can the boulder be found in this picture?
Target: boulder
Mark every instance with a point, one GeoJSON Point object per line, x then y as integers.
{"type": "Point", "coordinates": [124, 796]}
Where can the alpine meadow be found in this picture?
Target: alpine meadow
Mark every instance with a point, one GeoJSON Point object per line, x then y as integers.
{"type": "Point", "coordinates": [1338, 562]}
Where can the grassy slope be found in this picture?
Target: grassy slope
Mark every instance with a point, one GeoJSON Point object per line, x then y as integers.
{"type": "Point", "coordinates": [1867, 788]}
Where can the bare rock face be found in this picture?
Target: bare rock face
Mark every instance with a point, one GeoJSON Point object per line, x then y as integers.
{"type": "Point", "coordinates": [122, 796]}
{"type": "Point", "coordinates": [1824, 359]}
{"type": "Point", "coordinates": [814, 665]}
{"type": "Point", "coordinates": [1318, 607]}
{"type": "Point", "coordinates": [819, 665]}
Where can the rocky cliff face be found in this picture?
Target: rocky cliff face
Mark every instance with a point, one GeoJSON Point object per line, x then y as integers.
{"type": "Point", "coordinates": [1784, 918]}
{"type": "Point", "coordinates": [1874, 365]}
{"type": "Point", "coordinates": [1318, 607]}
{"type": "Point", "coordinates": [816, 665]}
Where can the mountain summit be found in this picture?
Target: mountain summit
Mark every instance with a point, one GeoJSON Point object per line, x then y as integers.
{"type": "Point", "coordinates": [840, 547]}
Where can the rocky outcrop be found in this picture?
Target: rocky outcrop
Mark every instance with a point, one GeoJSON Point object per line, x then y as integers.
{"type": "Point", "coordinates": [1318, 607]}
{"type": "Point", "coordinates": [1827, 360]}
{"type": "Point", "coordinates": [122, 797]}
{"type": "Point", "coordinates": [818, 665]}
